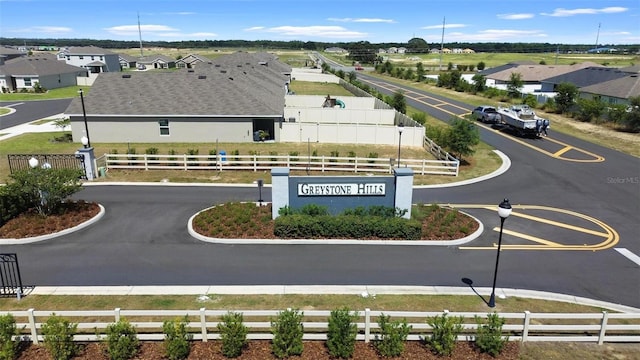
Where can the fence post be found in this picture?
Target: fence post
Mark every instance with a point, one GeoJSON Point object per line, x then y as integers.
{"type": "Point", "coordinates": [32, 326]}
{"type": "Point", "coordinates": [603, 327]}
{"type": "Point", "coordinates": [146, 163]}
{"type": "Point", "coordinates": [203, 324]}
{"type": "Point", "coordinates": [185, 161]}
{"type": "Point", "coordinates": [367, 325]}
{"type": "Point", "coordinates": [117, 314]}
{"type": "Point", "coordinates": [525, 325]}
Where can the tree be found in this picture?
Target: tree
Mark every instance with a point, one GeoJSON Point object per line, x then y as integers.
{"type": "Point", "coordinates": [515, 84]}
{"type": "Point", "coordinates": [399, 102]}
{"type": "Point", "coordinates": [45, 189]}
{"type": "Point", "coordinates": [352, 76]}
{"type": "Point", "coordinates": [631, 119]}
{"type": "Point", "coordinates": [461, 137]}
{"type": "Point", "coordinates": [417, 45]}
{"type": "Point", "coordinates": [62, 123]}
{"type": "Point", "coordinates": [419, 71]}
{"type": "Point", "coordinates": [566, 96]}
{"type": "Point", "coordinates": [479, 82]}
{"type": "Point", "coordinates": [481, 65]}
{"type": "Point", "coordinates": [590, 109]}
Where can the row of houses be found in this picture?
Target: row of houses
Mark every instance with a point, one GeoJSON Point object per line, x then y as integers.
{"type": "Point", "coordinates": [404, 50]}
{"type": "Point", "coordinates": [609, 84]}
{"type": "Point", "coordinates": [21, 72]}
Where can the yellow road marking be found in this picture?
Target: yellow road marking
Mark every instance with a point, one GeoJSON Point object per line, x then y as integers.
{"type": "Point", "coordinates": [596, 158]}
{"type": "Point", "coordinates": [527, 237]}
{"type": "Point", "coordinates": [562, 151]}
{"type": "Point", "coordinates": [610, 235]}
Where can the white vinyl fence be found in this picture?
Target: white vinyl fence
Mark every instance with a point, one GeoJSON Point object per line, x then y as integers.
{"type": "Point", "coordinates": [229, 162]}
{"type": "Point", "coordinates": [526, 326]}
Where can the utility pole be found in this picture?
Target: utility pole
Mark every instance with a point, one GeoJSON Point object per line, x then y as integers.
{"type": "Point", "coordinates": [140, 34]}
{"type": "Point", "coordinates": [441, 45]}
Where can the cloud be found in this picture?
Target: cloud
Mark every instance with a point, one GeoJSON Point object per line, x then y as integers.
{"type": "Point", "coordinates": [45, 30]}
{"type": "Point", "coordinates": [126, 30]}
{"type": "Point", "coordinates": [446, 26]}
{"type": "Point", "coordinates": [255, 28]}
{"type": "Point", "coordinates": [560, 12]}
{"type": "Point", "coordinates": [515, 16]}
{"type": "Point", "coordinates": [335, 32]}
{"type": "Point", "coordinates": [363, 20]}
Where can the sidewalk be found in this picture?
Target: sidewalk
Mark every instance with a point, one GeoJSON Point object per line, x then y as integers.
{"type": "Point", "coordinates": [31, 127]}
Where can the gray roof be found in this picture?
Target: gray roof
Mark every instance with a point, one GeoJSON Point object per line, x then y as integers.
{"type": "Point", "coordinates": [150, 59]}
{"type": "Point", "coordinates": [588, 76]}
{"type": "Point", "coordinates": [621, 88]}
{"type": "Point", "coordinates": [86, 50]}
{"type": "Point", "coordinates": [10, 51]}
{"type": "Point", "coordinates": [538, 72]}
{"type": "Point", "coordinates": [40, 65]}
{"type": "Point", "coordinates": [213, 91]}
{"type": "Point", "coordinates": [128, 58]}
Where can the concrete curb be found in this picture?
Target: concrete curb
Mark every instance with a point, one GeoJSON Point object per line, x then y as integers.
{"type": "Point", "coordinates": [54, 235]}
{"type": "Point", "coordinates": [357, 290]}
{"type": "Point", "coordinates": [460, 241]}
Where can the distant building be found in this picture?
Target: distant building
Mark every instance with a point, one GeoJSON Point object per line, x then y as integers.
{"type": "Point", "coordinates": [335, 50]}
{"type": "Point", "coordinates": [92, 58]}
{"type": "Point", "coordinates": [191, 61]}
{"type": "Point", "coordinates": [24, 73]}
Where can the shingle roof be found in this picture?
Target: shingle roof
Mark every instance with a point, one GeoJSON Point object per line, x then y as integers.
{"type": "Point", "coordinates": [86, 50]}
{"type": "Point", "coordinates": [588, 76]}
{"type": "Point", "coordinates": [538, 72]}
{"type": "Point", "coordinates": [41, 65]}
{"type": "Point", "coordinates": [621, 88]}
{"type": "Point", "coordinates": [224, 90]}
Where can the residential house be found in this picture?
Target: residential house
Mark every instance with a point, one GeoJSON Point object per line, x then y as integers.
{"type": "Point", "coordinates": [92, 58]}
{"type": "Point", "coordinates": [532, 75]}
{"type": "Point", "coordinates": [402, 50]}
{"type": "Point", "coordinates": [23, 73]}
{"type": "Point", "coordinates": [8, 53]}
{"type": "Point", "coordinates": [335, 50]}
{"type": "Point", "coordinates": [468, 51]}
{"type": "Point", "coordinates": [584, 77]}
{"type": "Point", "coordinates": [157, 62]}
{"type": "Point", "coordinates": [615, 91]}
{"type": "Point", "coordinates": [392, 50]}
{"type": "Point", "coordinates": [227, 101]}
{"type": "Point", "coordinates": [191, 61]}
{"type": "Point", "coordinates": [127, 61]}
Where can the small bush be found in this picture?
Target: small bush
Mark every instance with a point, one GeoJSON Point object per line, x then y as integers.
{"type": "Point", "coordinates": [489, 337]}
{"type": "Point", "coordinates": [287, 332]}
{"type": "Point", "coordinates": [445, 331]}
{"type": "Point", "coordinates": [392, 336]}
{"type": "Point", "coordinates": [122, 340]}
{"type": "Point", "coordinates": [8, 329]}
{"type": "Point", "coordinates": [342, 332]}
{"type": "Point", "coordinates": [58, 337]}
{"type": "Point", "coordinates": [233, 334]}
{"type": "Point", "coordinates": [176, 338]}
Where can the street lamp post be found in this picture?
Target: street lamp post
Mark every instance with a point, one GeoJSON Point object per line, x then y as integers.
{"type": "Point", "coordinates": [84, 115]}
{"type": "Point", "coordinates": [504, 210]}
{"type": "Point", "coordinates": [400, 129]}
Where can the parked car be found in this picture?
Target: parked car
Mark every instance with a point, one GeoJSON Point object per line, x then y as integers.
{"type": "Point", "coordinates": [486, 114]}
{"type": "Point", "coordinates": [359, 68]}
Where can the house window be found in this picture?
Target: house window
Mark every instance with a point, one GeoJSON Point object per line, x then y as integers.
{"type": "Point", "coordinates": [27, 81]}
{"type": "Point", "coordinates": [164, 126]}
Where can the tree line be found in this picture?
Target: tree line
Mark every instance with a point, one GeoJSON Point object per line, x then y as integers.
{"type": "Point", "coordinates": [414, 45]}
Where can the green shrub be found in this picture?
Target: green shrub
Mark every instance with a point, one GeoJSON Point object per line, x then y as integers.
{"type": "Point", "coordinates": [334, 154]}
{"type": "Point", "coordinates": [122, 340]}
{"type": "Point", "coordinates": [192, 152]}
{"type": "Point", "coordinates": [233, 334]}
{"type": "Point", "coordinates": [489, 337]}
{"type": "Point", "coordinates": [314, 210]}
{"type": "Point", "coordinates": [58, 337]}
{"type": "Point", "coordinates": [176, 338]}
{"type": "Point", "coordinates": [8, 329]}
{"type": "Point", "coordinates": [445, 331]}
{"type": "Point", "coordinates": [392, 336]}
{"type": "Point", "coordinates": [287, 332]}
{"type": "Point", "coordinates": [342, 332]}
{"type": "Point", "coordinates": [372, 155]}
{"type": "Point", "coordinates": [294, 155]}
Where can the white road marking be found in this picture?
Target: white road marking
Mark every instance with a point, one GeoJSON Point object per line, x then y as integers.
{"type": "Point", "coordinates": [629, 255]}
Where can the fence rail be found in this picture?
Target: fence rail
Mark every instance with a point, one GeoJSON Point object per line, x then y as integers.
{"type": "Point", "coordinates": [202, 323]}
{"type": "Point", "coordinates": [232, 162]}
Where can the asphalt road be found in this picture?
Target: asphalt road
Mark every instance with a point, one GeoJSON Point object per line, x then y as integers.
{"type": "Point", "coordinates": [142, 239]}
{"type": "Point", "coordinates": [31, 110]}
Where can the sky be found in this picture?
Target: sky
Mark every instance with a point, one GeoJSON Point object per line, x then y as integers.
{"type": "Point", "coordinates": [375, 21]}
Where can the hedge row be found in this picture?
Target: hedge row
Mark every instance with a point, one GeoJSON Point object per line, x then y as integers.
{"type": "Point", "coordinates": [346, 226]}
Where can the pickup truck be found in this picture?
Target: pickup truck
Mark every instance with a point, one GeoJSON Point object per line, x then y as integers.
{"type": "Point", "coordinates": [486, 114]}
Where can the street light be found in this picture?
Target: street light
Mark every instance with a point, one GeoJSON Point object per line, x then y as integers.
{"type": "Point", "coordinates": [33, 162]}
{"type": "Point", "coordinates": [84, 115]}
{"type": "Point", "coordinates": [400, 129]}
{"type": "Point", "coordinates": [504, 210]}
{"type": "Point", "coordinates": [85, 141]}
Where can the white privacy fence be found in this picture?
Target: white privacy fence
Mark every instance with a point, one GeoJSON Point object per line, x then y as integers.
{"type": "Point", "coordinates": [202, 324]}
{"type": "Point", "coordinates": [231, 162]}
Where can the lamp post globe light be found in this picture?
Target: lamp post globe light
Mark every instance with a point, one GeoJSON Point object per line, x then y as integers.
{"type": "Point", "coordinates": [504, 210]}
{"type": "Point", "coordinates": [33, 162]}
{"type": "Point", "coordinates": [400, 129]}
{"type": "Point", "coordinates": [85, 141]}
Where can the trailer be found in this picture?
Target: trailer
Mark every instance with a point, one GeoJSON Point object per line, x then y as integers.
{"type": "Point", "coordinates": [522, 120]}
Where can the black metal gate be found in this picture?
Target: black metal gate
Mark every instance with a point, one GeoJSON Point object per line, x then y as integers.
{"type": "Point", "coordinates": [19, 162]}
{"type": "Point", "coordinates": [10, 276]}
